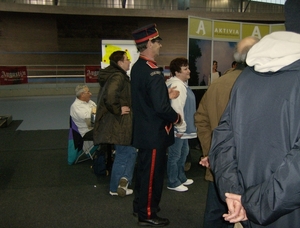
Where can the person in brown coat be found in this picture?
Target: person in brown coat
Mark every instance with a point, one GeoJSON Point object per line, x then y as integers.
{"type": "Point", "coordinates": [209, 112]}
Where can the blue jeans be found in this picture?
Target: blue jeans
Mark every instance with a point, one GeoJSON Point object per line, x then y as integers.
{"type": "Point", "coordinates": [123, 165]}
{"type": "Point", "coordinates": [176, 159]}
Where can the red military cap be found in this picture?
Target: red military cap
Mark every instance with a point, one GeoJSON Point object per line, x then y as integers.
{"type": "Point", "coordinates": [148, 32]}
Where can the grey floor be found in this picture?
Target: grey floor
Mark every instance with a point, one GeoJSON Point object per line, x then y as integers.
{"type": "Point", "coordinates": [40, 112]}
{"type": "Point", "coordinates": [39, 189]}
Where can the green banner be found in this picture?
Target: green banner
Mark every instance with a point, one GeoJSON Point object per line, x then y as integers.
{"type": "Point", "coordinates": [200, 28]}
{"type": "Point", "coordinates": [257, 30]}
{"type": "Point", "coordinates": [212, 45]}
{"type": "Point", "coordinates": [227, 30]}
{"type": "Point", "coordinates": [278, 27]}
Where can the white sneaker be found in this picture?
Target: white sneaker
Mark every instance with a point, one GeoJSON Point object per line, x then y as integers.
{"type": "Point", "coordinates": [122, 188]}
{"type": "Point", "coordinates": [113, 193]}
{"type": "Point", "coordinates": [128, 192]}
{"type": "Point", "coordinates": [180, 188]}
{"type": "Point", "coordinates": [188, 182]}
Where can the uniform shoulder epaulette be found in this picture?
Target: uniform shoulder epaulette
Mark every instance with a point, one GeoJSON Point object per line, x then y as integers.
{"type": "Point", "coordinates": [152, 65]}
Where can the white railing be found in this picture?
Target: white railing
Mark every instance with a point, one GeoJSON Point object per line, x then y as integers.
{"type": "Point", "coordinates": [43, 74]}
{"type": "Point", "coordinates": [48, 80]}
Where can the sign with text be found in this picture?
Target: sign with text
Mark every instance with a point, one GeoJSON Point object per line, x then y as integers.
{"type": "Point", "coordinates": [13, 75]}
{"type": "Point", "coordinates": [212, 45]}
{"type": "Point", "coordinates": [227, 30]}
{"type": "Point", "coordinates": [91, 74]}
{"type": "Point", "coordinates": [200, 27]}
{"type": "Point", "coordinates": [257, 30]}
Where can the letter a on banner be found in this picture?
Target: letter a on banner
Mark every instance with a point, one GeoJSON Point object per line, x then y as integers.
{"type": "Point", "coordinates": [256, 32]}
{"type": "Point", "coordinates": [201, 27]}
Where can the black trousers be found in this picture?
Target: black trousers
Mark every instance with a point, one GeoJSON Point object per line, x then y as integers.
{"type": "Point", "coordinates": [214, 209]}
{"type": "Point", "coordinates": [104, 148]}
{"type": "Point", "coordinates": [151, 166]}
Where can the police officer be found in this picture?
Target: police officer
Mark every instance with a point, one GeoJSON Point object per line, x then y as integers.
{"type": "Point", "coordinates": [153, 119]}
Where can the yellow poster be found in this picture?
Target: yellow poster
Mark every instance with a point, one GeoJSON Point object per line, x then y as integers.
{"type": "Point", "coordinates": [109, 49]}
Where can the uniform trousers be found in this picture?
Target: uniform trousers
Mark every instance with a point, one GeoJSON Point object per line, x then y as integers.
{"type": "Point", "coordinates": [151, 166]}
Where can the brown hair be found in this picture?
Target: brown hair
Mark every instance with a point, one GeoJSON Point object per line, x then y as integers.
{"type": "Point", "coordinates": [177, 63]}
{"type": "Point", "coordinates": [117, 56]}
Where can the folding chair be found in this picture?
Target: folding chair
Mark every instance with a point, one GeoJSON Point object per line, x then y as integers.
{"type": "Point", "coordinates": [79, 150]}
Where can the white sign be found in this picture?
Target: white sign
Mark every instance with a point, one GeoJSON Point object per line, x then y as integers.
{"type": "Point", "coordinates": [110, 46]}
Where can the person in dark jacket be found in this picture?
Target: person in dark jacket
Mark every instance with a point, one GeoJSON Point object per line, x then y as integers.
{"type": "Point", "coordinates": [113, 123]}
{"type": "Point", "coordinates": [153, 121]}
{"type": "Point", "coordinates": [255, 151]}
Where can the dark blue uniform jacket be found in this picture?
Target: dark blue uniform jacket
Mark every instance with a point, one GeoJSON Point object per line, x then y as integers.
{"type": "Point", "coordinates": [152, 113]}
